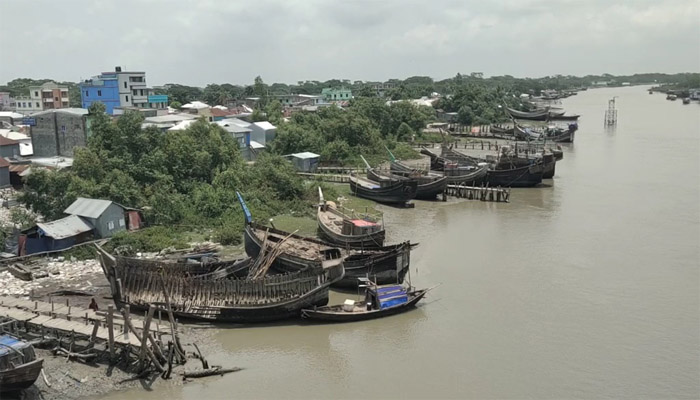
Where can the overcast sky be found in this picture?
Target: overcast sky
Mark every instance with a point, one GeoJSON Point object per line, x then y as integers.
{"type": "Point", "coordinates": [196, 42]}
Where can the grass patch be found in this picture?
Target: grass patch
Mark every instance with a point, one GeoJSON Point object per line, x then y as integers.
{"type": "Point", "coordinates": [151, 239]}
{"type": "Point", "coordinates": [307, 226]}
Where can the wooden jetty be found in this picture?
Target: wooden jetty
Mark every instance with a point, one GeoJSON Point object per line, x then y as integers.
{"type": "Point", "coordinates": [482, 193]}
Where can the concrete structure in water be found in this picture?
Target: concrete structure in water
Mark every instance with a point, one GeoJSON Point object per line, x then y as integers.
{"type": "Point", "coordinates": [45, 97]}
{"type": "Point", "coordinates": [59, 132]}
{"type": "Point", "coordinates": [120, 89]}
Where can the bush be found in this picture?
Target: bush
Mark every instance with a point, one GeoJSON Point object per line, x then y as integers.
{"type": "Point", "coordinates": [229, 233]}
{"type": "Point", "coordinates": [151, 239]}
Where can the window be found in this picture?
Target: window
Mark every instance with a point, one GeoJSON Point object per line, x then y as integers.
{"type": "Point", "coordinates": [24, 104]}
{"type": "Point", "coordinates": [127, 99]}
{"type": "Point", "coordinates": [37, 105]}
{"type": "Point", "coordinates": [86, 93]}
{"type": "Point", "coordinates": [124, 85]}
{"type": "Point", "coordinates": [141, 92]}
{"type": "Point", "coordinates": [121, 222]}
{"type": "Point", "coordinates": [55, 99]}
{"type": "Point", "coordinates": [110, 225]}
{"type": "Point", "coordinates": [99, 93]}
{"type": "Point", "coordinates": [36, 94]}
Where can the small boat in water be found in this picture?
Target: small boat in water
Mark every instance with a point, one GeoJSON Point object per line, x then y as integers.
{"type": "Point", "coordinates": [686, 100]}
{"type": "Point", "coordinates": [380, 301]}
{"type": "Point", "coordinates": [671, 97]}
{"type": "Point", "coordinates": [19, 367]}
{"type": "Point", "coordinates": [345, 228]}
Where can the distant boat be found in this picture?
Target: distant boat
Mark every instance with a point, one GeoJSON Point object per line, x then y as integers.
{"type": "Point", "coordinates": [19, 367]}
{"type": "Point", "coordinates": [384, 192]}
{"type": "Point", "coordinates": [686, 100]}
{"type": "Point", "coordinates": [380, 301]}
{"type": "Point", "coordinates": [671, 97]}
{"type": "Point", "coordinates": [538, 115]}
{"type": "Point", "coordinates": [344, 228]}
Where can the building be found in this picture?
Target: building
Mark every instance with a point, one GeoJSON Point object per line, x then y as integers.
{"type": "Point", "coordinates": [107, 217]}
{"type": "Point", "coordinates": [332, 94]}
{"type": "Point", "coordinates": [304, 162]}
{"type": "Point", "coordinates": [298, 100]}
{"type": "Point", "coordinates": [262, 132]}
{"type": "Point", "coordinates": [8, 147]}
{"type": "Point", "coordinates": [4, 173]}
{"type": "Point", "coordinates": [6, 103]}
{"type": "Point", "coordinates": [55, 235]}
{"type": "Point", "coordinates": [25, 142]}
{"type": "Point", "coordinates": [168, 121]}
{"type": "Point", "coordinates": [59, 132]}
{"type": "Point", "coordinates": [45, 97]}
{"type": "Point", "coordinates": [120, 89]}
{"type": "Point", "coordinates": [11, 117]}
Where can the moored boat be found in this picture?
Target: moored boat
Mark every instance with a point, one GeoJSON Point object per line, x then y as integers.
{"type": "Point", "coordinates": [384, 192]}
{"type": "Point", "coordinates": [242, 300]}
{"type": "Point", "coordinates": [19, 366]}
{"type": "Point", "coordinates": [428, 186]}
{"type": "Point", "coordinates": [380, 301]}
{"type": "Point", "coordinates": [346, 228]}
{"type": "Point", "coordinates": [538, 115]}
{"type": "Point", "coordinates": [387, 264]}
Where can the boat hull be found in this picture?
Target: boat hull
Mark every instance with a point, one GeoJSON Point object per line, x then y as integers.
{"type": "Point", "coordinates": [427, 187]}
{"type": "Point", "coordinates": [341, 316]}
{"type": "Point", "coordinates": [21, 377]}
{"type": "Point", "coordinates": [396, 192]}
{"type": "Point", "coordinates": [527, 176]}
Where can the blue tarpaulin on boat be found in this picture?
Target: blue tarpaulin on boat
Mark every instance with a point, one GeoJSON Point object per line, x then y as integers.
{"type": "Point", "coordinates": [9, 341]}
{"type": "Point", "coordinates": [390, 296]}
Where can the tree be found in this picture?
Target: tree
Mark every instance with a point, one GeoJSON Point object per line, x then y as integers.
{"type": "Point", "coordinates": [404, 132]}
{"type": "Point", "coordinates": [176, 104]}
{"type": "Point", "coordinates": [274, 112]}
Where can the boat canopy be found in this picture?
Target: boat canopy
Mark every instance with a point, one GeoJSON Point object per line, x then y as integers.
{"type": "Point", "coordinates": [391, 295]}
{"type": "Point", "coordinates": [10, 350]}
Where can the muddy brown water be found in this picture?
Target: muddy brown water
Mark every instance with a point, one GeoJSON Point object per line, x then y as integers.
{"type": "Point", "coordinates": [585, 288]}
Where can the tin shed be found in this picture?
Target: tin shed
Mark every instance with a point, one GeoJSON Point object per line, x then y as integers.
{"type": "Point", "coordinates": [106, 216]}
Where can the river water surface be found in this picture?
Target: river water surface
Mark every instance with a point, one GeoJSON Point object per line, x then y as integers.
{"type": "Point", "coordinates": [586, 288]}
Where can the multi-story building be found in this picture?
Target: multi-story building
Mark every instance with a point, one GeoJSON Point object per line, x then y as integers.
{"type": "Point", "coordinates": [332, 94]}
{"type": "Point", "coordinates": [48, 96]}
{"type": "Point", "coordinates": [120, 89]}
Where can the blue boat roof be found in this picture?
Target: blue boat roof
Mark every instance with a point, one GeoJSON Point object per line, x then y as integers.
{"type": "Point", "coordinates": [7, 341]}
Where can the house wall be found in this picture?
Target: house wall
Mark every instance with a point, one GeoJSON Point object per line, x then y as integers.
{"type": "Point", "coordinates": [58, 133]}
{"type": "Point", "coordinates": [110, 222]}
{"type": "Point", "coordinates": [9, 150]}
{"type": "Point", "coordinates": [4, 176]}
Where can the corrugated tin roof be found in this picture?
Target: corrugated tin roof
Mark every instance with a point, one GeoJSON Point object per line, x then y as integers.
{"type": "Point", "coordinates": [305, 154]}
{"type": "Point", "coordinates": [7, 142]}
{"type": "Point", "coordinates": [90, 208]}
{"type": "Point", "coordinates": [65, 227]}
{"type": "Point", "coordinates": [256, 145]}
{"type": "Point", "coordinates": [10, 114]}
{"type": "Point", "coordinates": [264, 125]}
{"type": "Point", "coordinates": [3, 162]}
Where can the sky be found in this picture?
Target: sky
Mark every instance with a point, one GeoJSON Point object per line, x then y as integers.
{"type": "Point", "coordinates": [196, 42]}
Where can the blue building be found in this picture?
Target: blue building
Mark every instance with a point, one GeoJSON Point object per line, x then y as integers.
{"type": "Point", "coordinates": [124, 89]}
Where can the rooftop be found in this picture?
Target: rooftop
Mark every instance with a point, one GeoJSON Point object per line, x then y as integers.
{"type": "Point", "coordinates": [65, 227]}
{"type": "Point", "coordinates": [89, 208]}
{"type": "Point", "coordinates": [7, 142]}
{"type": "Point", "coordinates": [10, 114]}
{"type": "Point", "coordinates": [76, 111]}
{"type": "Point", "coordinates": [264, 125]}
{"type": "Point", "coordinates": [305, 154]}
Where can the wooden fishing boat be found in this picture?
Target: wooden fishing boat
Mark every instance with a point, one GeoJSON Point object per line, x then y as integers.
{"type": "Point", "coordinates": [502, 174]}
{"type": "Point", "coordinates": [242, 300]}
{"type": "Point", "coordinates": [429, 185]}
{"type": "Point", "coordinates": [387, 264]}
{"type": "Point", "coordinates": [197, 270]}
{"type": "Point", "coordinates": [538, 115]}
{"type": "Point", "coordinates": [380, 301]}
{"type": "Point", "coordinates": [19, 367]}
{"type": "Point", "coordinates": [563, 117]}
{"type": "Point", "coordinates": [526, 176]}
{"type": "Point", "coordinates": [384, 192]}
{"type": "Point", "coordinates": [345, 228]}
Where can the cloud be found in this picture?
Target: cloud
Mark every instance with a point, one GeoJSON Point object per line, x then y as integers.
{"type": "Point", "coordinates": [200, 42]}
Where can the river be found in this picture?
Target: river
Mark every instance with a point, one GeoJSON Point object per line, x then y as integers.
{"type": "Point", "coordinates": [586, 288]}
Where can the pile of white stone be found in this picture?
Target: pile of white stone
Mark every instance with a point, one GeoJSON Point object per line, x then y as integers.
{"type": "Point", "coordinates": [62, 274]}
